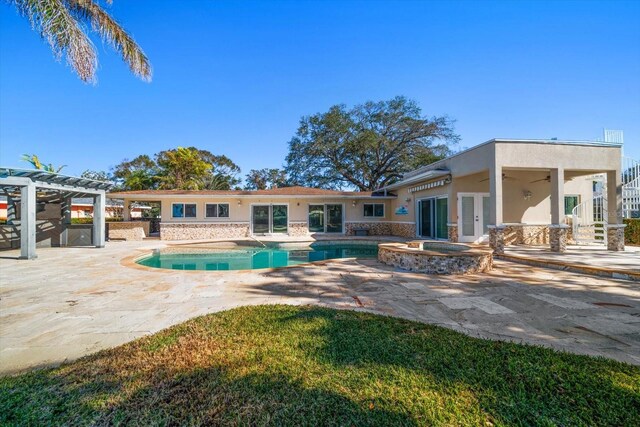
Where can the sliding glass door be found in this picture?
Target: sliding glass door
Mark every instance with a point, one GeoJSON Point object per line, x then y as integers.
{"type": "Point", "coordinates": [334, 219]}
{"type": "Point", "coordinates": [326, 218]}
{"type": "Point", "coordinates": [432, 217]}
{"type": "Point", "coordinates": [260, 219]}
{"type": "Point", "coordinates": [266, 219]}
{"type": "Point", "coordinates": [316, 218]}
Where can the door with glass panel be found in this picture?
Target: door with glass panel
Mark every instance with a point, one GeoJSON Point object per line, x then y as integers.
{"type": "Point", "coordinates": [334, 218]}
{"type": "Point", "coordinates": [473, 217]}
{"type": "Point", "coordinates": [268, 219]}
{"type": "Point", "coordinates": [326, 218]}
{"type": "Point", "coordinates": [433, 213]}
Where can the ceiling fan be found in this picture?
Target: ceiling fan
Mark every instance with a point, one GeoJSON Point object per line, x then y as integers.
{"type": "Point", "coordinates": [504, 176]}
{"type": "Point", "coordinates": [547, 178]}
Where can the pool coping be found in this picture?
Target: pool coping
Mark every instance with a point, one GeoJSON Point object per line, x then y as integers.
{"type": "Point", "coordinates": [131, 260]}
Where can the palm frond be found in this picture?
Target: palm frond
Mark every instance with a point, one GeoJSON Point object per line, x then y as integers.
{"type": "Point", "coordinates": [33, 159]}
{"type": "Point", "coordinates": [114, 34]}
{"type": "Point", "coordinates": [63, 33]}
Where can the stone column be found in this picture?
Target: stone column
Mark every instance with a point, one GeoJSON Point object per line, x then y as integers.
{"type": "Point", "coordinates": [496, 238]}
{"type": "Point", "coordinates": [615, 227]}
{"type": "Point", "coordinates": [99, 205]}
{"type": "Point", "coordinates": [452, 232]}
{"type": "Point", "coordinates": [28, 222]}
{"type": "Point", "coordinates": [558, 237]}
{"type": "Point", "coordinates": [615, 237]}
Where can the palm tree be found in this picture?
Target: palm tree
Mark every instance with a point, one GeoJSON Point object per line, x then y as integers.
{"type": "Point", "coordinates": [63, 24]}
{"type": "Point", "coordinates": [37, 164]}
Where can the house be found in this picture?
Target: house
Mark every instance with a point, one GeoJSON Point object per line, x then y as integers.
{"type": "Point", "coordinates": [504, 191]}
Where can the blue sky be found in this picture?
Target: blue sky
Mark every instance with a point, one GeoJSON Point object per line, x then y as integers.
{"type": "Point", "coordinates": [235, 77]}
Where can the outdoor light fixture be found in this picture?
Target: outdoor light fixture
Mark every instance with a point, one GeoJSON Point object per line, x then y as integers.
{"type": "Point", "coordinates": [355, 202]}
{"type": "Point", "coordinates": [239, 202]}
{"type": "Point", "coordinates": [526, 194]}
{"type": "Point", "coordinates": [408, 199]}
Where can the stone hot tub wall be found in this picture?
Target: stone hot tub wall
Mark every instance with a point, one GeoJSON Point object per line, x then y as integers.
{"type": "Point", "coordinates": [434, 262]}
{"type": "Point", "coordinates": [128, 230]}
{"type": "Point", "coordinates": [200, 231]}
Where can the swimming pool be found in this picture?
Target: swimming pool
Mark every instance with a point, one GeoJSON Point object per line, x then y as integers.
{"type": "Point", "coordinates": [251, 258]}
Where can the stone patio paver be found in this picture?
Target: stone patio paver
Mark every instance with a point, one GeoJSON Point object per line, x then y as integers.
{"type": "Point", "coordinates": [71, 302]}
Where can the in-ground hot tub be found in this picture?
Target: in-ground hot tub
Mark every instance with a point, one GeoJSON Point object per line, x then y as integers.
{"type": "Point", "coordinates": [425, 256]}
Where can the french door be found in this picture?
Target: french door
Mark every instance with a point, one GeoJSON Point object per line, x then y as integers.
{"type": "Point", "coordinates": [268, 219]}
{"type": "Point", "coordinates": [432, 217]}
{"type": "Point", "coordinates": [326, 218]}
{"type": "Point", "coordinates": [473, 217]}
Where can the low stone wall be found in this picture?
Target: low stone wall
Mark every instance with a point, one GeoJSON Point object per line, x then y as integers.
{"type": "Point", "coordinates": [186, 231]}
{"type": "Point", "coordinates": [128, 230]}
{"type": "Point", "coordinates": [382, 228]}
{"type": "Point", "coordinates": [298, 229]}
{"type": "Point", "coordinates": [433, 262]}
{"type": "Point", "coordinates": [374, 228]}
{"type": "Point", "coordinates": [526, 234]}
{"type": "Point", "coordinates": [401, 229]}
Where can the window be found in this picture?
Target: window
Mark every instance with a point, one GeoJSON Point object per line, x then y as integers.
{"type": "Point", "coordinates": [183, 210]}
{"type": "Point", "coordinates": [570, 202]}
{"type": "Point", "coordinates": [217, 210]}
{"type": "Point", "coordinates": [374, 209]}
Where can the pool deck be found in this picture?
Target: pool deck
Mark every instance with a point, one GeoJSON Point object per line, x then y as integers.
{"type": "Point", "coordinates": [70, 302]}
{"type": "Point", "coordinates": [587, 259]}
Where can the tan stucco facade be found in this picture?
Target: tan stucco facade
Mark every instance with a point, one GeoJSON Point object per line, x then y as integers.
{"type": "Point", "coordinates": [507, 184]}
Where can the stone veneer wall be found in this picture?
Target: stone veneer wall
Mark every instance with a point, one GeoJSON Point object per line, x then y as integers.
{"type": "Point", "coordinates": [615, 237]}
{"type": "Point", "coordinates": [452, 232]}
{"type": "Point", "coordinates": [186, 231]}
{"type": "Point", "coordinates": [436, 264]}
{"type": "Point", "coordinates": [525, 234]}
{"type": "Point", "coordinates": [382, 228]}
{"type": "Point", "coordinates": [298, 229]}
{"type": "Point", "coordinates": [128, 230]}
{"type": "Point", "coordinates": [401, 229]}
{"type": "Point", "coordinates": [558, 238]}
{"type": "Point", "coordinates": [375, 228]}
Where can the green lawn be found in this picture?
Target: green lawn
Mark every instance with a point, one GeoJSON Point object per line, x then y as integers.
{"type": "Point", "coordinates": [284, 365]}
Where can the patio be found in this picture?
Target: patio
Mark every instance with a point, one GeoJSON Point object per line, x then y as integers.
{"type": "Point", "coordinates": [590, 259]}
{"type": "Point", "coordinates": [64, 304]}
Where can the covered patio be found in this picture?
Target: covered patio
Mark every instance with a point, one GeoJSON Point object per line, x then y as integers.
{"type": "Point", "coordinates": [39, 210]}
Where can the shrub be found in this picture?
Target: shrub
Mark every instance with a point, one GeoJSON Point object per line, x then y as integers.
{"type": "Point", "coordinates": [632, 231]}
{"type": "Point", "coordinates": [81, 220]}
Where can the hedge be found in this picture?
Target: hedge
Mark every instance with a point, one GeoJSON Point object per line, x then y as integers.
{"type": "Point", "coordinates": [632, 231]}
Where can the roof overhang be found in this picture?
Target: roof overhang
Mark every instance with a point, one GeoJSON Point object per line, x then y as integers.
{"type": "Point", "coordinates": [156, 197]}
{"type": "Point", "coordinates": [421, 177]}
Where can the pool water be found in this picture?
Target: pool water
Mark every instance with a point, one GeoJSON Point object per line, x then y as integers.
{"type": "Point", "coordinates": [251, 258]}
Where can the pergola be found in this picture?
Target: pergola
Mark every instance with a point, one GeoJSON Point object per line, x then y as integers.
{"type": "Point", "coordinates": [29, 186]}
